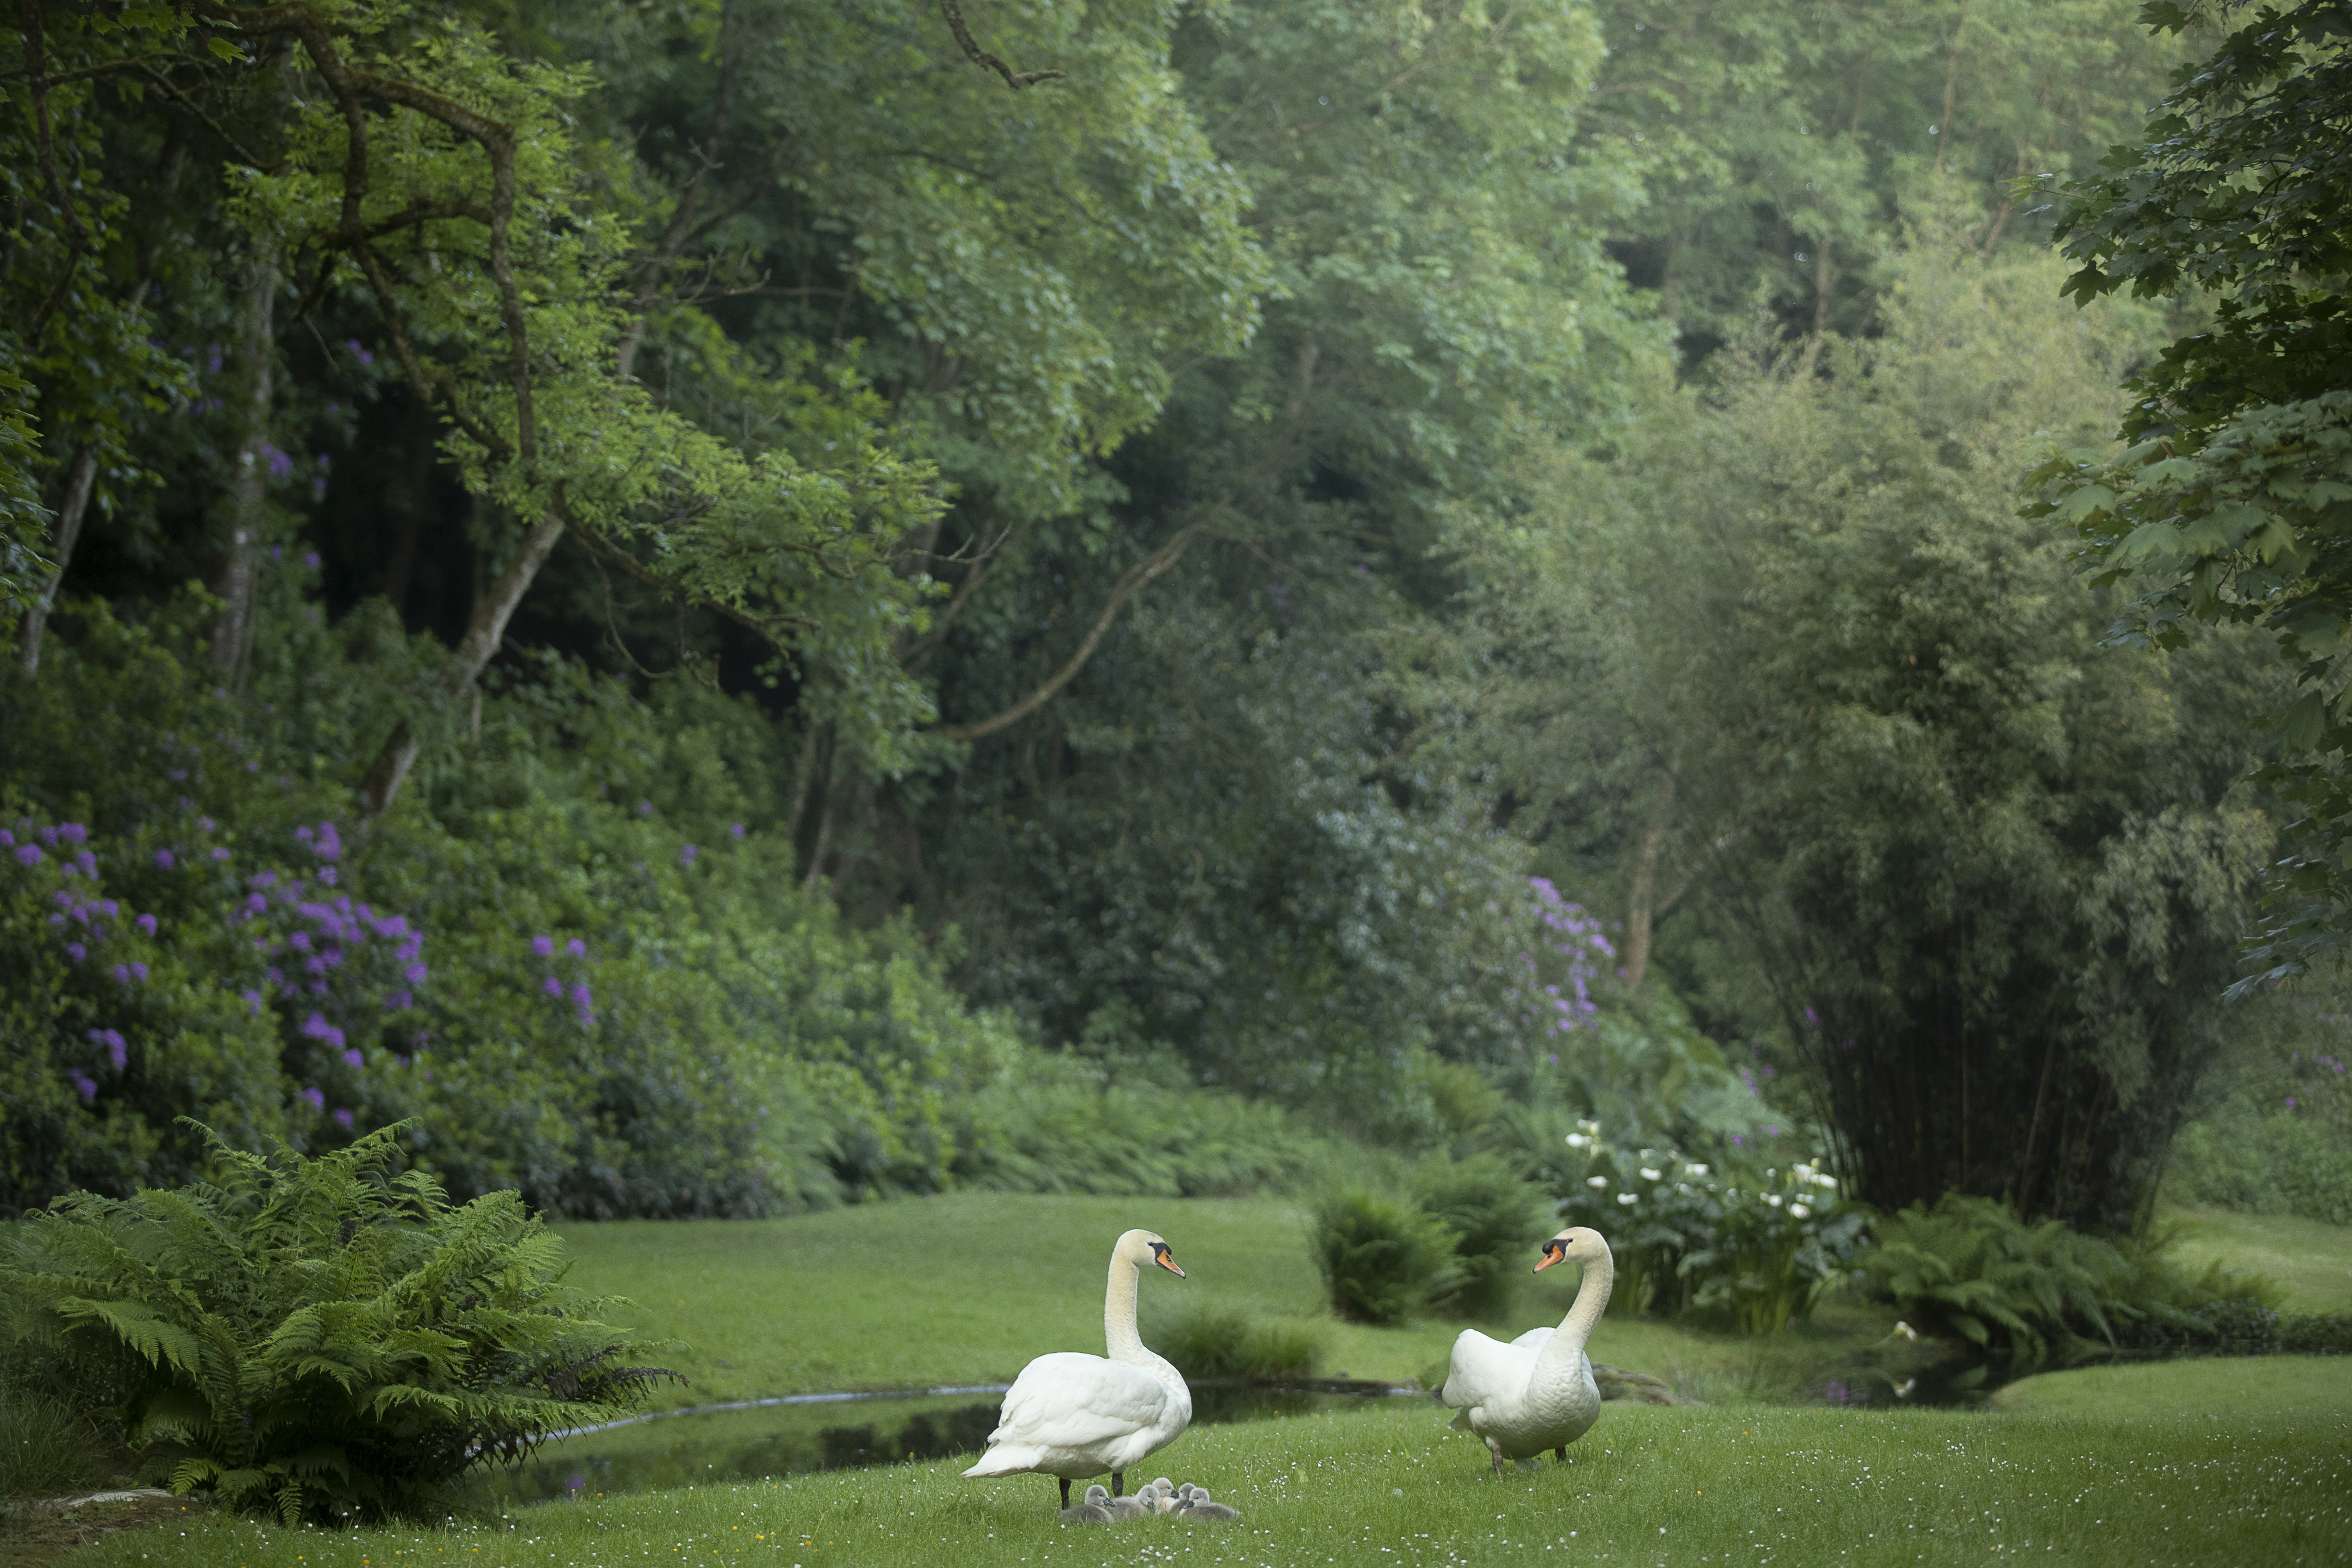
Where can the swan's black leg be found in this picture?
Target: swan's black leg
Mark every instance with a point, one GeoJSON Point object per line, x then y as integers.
{"type": "Point", "coordinates": [1496, 1454]}
{"type": "Point", "coordinates": [1561, 1453]}
{"type": "Point", "coordinates": [1066, 1490]}
{"type": "Point", "coordinates": [1118, 1482]}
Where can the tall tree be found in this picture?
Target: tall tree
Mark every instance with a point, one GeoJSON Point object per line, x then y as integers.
{"type": "Point", "coordinates": [2234, 503]}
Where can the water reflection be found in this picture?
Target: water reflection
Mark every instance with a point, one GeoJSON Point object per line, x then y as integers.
{"type": "Point", "coordinates": [706, 1447]}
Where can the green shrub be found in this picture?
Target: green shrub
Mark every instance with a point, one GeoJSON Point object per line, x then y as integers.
{"type": "Point", "coordinates": [1970, 1268]}
{"type": "Point", "coordinates": [316, 1337]}
{"type": "Point", "coordinates": [1753, 1246]}
{"type": "Point", "coordinates": [1213, 1341]}
{"type": "Point", "coordinates": [2281, 1143]}
{"type": "Point", "coordinates": [1381, 1260]}
{"type": "Point", "coordinates": [1496, 1219]}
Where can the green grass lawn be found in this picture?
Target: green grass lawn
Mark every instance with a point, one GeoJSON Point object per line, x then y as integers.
{"type": "Point", "coordinates": [2130, 1478]}
{"type": "Point", "coordinates": [967, 1288]}
{"type": "Point", "coordinates": [2309, 1259]}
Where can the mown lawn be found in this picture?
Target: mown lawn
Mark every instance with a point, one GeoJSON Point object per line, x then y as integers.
{"type": "Point", "coordinates": [967, 1288]}
{"type": "Point", "coordinates": [2137, 1475]}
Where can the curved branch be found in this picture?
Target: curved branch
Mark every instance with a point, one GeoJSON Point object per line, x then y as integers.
{"type": "Point", "coordinates": [1134, 578]}
{"type": "Point", "coordinates": [1014, 79]}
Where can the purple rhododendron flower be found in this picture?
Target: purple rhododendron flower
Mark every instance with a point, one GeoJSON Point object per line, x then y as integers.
{"type": "Point", "coordinates": [579, 949]}
{"type": "Point", "coordinates": [328, 845]}
{"type": "Point", "coordinates": [145, 923]}
{"type": "Point", "coordinates": [76, 951]}
{"type": "Point", "coordinates": [87, 1084]}
{"type": "Point", "coordinates": [29, 855]}
{"type": "Point", "coordinates": [220, 854]}
{"type": "Point", "coordinates": [164, 859]}
{"type": "Point", "coordinates": [413, 975]}
{"type": "Point", "coordinates": [6, 838]}
{"type": "Point", "coordinates": [122, 974]}
{"type": "Point", "coordinates": [328, 876]}
{"type": "Point", "coordinates": [735, 830]}
{"type": "Point", "coordinates": [551, 985]}
{"type": "Point", "coordinates": [72, 832]}
{"type": "Point", "coordinates": [252, 1000]}
{"type": "Point", "coordinates": [342, 1113]}
{"type": "Point", "coordinates": [645, 808]}
{"type": "Point", "coordinates": [544, 946]}
{"type": "Point", "coordinates": [310, 557]}
{"type": "Point", "coordinates": [354, 1058]}
{"type": "Point", "coordinates": [686, 856]}
{"type": "Point", "coordinates": [395, 1001]}
{"type": "Point", "coordinates": [315, 1099]}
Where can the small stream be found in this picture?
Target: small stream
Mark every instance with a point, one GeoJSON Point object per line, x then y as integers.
{"type": "Point", "coordinates": [821, 1431]}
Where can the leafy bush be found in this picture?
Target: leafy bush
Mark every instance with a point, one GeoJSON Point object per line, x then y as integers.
{"type": "Point", "coordinates": [2281, 1143]}
{"type": "Point", "coordinates": [1210, 1341]}
{"type": "Point", "coordinates": [318, 1337]}
{"type": "Point", "coordinates": [1381, 1260]}
{"type": "Point", "coordinates": [1970, 1268]}
{"type": "Point", "coordinates": [1495, 1219]}
{"type": "Point", "coordinates": [1754, 1246]}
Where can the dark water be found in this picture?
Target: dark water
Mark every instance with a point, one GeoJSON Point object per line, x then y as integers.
{"type": "Point", "coordinates": [834, 1433]}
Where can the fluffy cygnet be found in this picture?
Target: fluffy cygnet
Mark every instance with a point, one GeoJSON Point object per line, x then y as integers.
{"type": "Point", "coordinates": [1197, 1507]}
{"type": "Point", "coordinates": [1095, 1509]}
{"type": "Point", "coordinates": [1139, 1506]}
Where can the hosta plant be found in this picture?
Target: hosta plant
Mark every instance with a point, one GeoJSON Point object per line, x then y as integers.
{"type": "Point", "coordinates": [319, 1338]}
{"type": "Point", "coordinates": [1754, 1246]}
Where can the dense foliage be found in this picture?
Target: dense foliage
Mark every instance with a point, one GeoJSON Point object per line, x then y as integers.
{"type": "Point", "coordinates": [801, 603]}
{"type": "Point", "coordinates": [2234, 501]}
{"type": "Point", "coordinates": [321, 1339]}
{"type": "Point", "coordinates": [1976, 877]}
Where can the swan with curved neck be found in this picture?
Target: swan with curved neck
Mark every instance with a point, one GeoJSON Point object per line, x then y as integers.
{"type": "Point", "coordinates": [1537, 1391]}
{"type": "Point", "coordinates": [1071, 1415]}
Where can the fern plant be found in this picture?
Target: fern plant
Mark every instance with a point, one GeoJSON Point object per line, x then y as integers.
{"type": "Point", "coordinates": [1970, 1266]}
{"type": "Point", "coordinates": [320, 1338]}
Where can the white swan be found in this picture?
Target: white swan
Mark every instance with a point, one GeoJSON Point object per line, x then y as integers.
{"type": "Point", "coordinates": [1070, 1415]}
{"type": "Point", "coordinates": [1537, 1391]}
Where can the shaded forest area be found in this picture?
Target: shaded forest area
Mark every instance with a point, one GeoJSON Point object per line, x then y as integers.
{"type": "Point", "coordinates": [751, 603]}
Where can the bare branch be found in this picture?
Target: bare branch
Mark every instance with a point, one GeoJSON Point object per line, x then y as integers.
{"type": "Point", "coordinates": [1014, 79]}
{"type": "Point", "coordinates": [1135, 577]}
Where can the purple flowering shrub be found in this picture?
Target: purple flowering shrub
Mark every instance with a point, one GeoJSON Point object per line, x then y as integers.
{"type": "Point", "coordinates": [114, 1024]}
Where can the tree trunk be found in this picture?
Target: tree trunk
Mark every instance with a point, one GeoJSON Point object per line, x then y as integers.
{"type": "Point", "coordinates": [248, 405]}
{"type": "Point", "coordinates": [79, 481]}
{"type": "Point", "coordinates": [485, 630]}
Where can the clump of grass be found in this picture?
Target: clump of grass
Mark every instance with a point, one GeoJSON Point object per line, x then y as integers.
{"type": "Point", "coordinates": [45, 1446]}
{"type": "Point", "coordinates": [1210, 1340]}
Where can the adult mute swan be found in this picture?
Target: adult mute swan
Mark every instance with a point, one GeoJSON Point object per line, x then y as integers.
{"type": "Point", "coordinates": [1070, 1415]}
{"type": "Point", "coordinates": [1537, 1391]}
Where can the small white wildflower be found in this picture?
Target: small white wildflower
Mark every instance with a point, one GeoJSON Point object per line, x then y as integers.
{"type": "Point", "coordinates": [1648, 1174]}
{"type": "Point", "coordinates": [1598, 1183]}
{"type": "Point", "coordinates": [1628, 1198]}
{"type": "Point", "coordinates": [1772, 1198]}
{"type": "Point", "coordinates": [1695, 1170]}
{"type": "Point", "coordinates": [1800, 1211]}
{"type": "Point", "coordinates": [1825, 1181]}
{"type": "Point", "coordinates": [1578, 1140]}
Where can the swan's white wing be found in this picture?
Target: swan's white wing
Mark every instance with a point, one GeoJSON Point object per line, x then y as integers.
{"type": "Point", "coordinates": [1533, 1340]}
{"type": "Point", "coordinates": [1070, 1400]}
{"type": "Point", "coordinates": [1483, 1370]}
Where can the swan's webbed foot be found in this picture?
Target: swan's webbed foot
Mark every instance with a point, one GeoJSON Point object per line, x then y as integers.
{"type": "Point", "coordinates": [1066, 1490]}
{"type": "Point", "coordinates": [1118, 1482]}
{"type": "Point", "coordinates": [1561, 1453]}
{"type": "Point", "coordinates": [1494, 1452]}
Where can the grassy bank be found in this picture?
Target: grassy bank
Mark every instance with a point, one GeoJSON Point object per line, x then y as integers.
{"type": "Point", "coordinates": [2131, 1480]}
{"type": "Point", "coordinates": [967, 1288]}
{"type": "Point", "coordinates": [2309, 1260]}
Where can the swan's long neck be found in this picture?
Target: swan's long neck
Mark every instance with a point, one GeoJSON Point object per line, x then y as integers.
{"type": "Point", "coordinates": [1120, 1341]}
{"type": "Point", "coordinates": [1584, 1312]}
